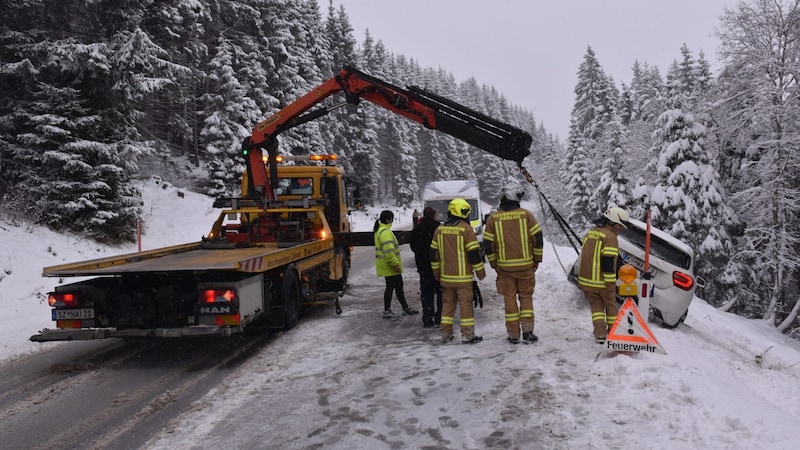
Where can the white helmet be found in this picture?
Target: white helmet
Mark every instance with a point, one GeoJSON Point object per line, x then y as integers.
{"type": "Point", "coordinates": [513, 191]}
{"type": "Point", "coordinates": [618, 215]}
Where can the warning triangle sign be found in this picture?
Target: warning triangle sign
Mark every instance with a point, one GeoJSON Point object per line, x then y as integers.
{"type": "Point", "coordinates": [630, 333]}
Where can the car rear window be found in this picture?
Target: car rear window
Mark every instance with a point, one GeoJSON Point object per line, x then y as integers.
{"type": "Point", "coordinates": [658, 247]}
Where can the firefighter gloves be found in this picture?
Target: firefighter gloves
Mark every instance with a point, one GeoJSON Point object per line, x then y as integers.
{"type": "Point", "coordinates": [477, 298]}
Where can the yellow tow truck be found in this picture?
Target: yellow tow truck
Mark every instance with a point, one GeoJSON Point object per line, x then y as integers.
{"type": "Point", "coordinates": [285, 242]}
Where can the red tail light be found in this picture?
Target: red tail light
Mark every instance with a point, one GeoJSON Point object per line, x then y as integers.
{"type": "Point", "coordinates": [682, 280]}
{"type": "Point", "coordinates": [62, 299]}
{"type": "Point", "coordinates": [217, 295]}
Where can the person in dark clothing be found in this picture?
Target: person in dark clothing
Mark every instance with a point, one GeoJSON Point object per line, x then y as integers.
{"type": "Point", "coordinates": [429, 287]}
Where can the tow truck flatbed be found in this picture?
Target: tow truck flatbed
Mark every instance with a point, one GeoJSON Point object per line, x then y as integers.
{"type": "Point", "coordinates": [192, 258]}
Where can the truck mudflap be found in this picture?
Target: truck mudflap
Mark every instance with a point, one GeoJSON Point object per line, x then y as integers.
{"type": "Point", "coordinates": [323, 298]}
{"type": "Point", "coordinates": [86, 334]}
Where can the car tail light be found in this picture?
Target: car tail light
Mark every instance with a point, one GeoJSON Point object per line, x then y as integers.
{"type": "Point", "coordinates": [682, 280]}
{"type": "Point", "coordinates": [62, 299]}
{"type": "Point", "coordinates": [217, 295]}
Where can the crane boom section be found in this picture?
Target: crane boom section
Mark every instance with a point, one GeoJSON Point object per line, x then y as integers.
{"type": "Point", "coordinates": [429, 109]}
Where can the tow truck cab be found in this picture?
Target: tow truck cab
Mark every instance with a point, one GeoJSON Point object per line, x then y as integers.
{"type": "Point", "coordinates": [317, 182]}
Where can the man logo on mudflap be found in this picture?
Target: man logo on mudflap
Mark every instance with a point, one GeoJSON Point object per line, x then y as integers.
{"type": "Point", "coordinates": [216, 310]}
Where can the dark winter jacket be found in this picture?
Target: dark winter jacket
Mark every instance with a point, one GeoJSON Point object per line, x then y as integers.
{"type": "Point", "coordinates": [421, 237]}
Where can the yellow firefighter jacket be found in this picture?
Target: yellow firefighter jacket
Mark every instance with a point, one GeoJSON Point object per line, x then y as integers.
{"type": "Point", "coordinates": [513, 240]}
{"type": "Point", "coordinates": [598, 267]}
{"type": "Point", "coordinates": [456, 254]}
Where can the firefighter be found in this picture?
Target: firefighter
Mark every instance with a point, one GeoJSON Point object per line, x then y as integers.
{"type": "Point", "coordinates": [513, 244]}
{"type": "Point", "coordinates": [597, 277]}
{"type": "Point", "coordinates": [455, 255]}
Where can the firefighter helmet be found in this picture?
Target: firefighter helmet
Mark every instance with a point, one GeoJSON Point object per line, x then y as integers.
{"type": "Point", "coordinates": [513, 191]}
{"type": "Point", "coordinates": [459, 208]}
{"type": "Point", "coordinates": [618, 215]}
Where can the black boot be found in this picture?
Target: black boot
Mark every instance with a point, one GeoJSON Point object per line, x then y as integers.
{"type": "Point", "coordinates": [474, 340]}
{"type": "Point", "coordinates": [529, 337]}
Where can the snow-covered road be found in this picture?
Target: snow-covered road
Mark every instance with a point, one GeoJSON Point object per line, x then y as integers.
{"type": "Point", "coordinates": [356, 381]}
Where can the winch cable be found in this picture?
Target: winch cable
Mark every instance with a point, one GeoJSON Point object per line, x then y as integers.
{"type": "Point", "coordinates": [572, 237]}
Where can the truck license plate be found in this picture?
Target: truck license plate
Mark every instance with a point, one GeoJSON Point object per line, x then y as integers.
{"type": "Point", "coordinates": [73, 314]}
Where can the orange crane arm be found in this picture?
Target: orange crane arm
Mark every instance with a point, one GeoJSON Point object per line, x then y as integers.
{"type": "Point", "coordinates": [426, 108]}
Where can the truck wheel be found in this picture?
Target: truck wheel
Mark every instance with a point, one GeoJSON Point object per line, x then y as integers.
{"type": "Point", "coordinates": [290, 298]}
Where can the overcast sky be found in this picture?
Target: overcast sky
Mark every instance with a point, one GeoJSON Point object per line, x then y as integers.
{"type": "Point", "coordinates": [530, 50]}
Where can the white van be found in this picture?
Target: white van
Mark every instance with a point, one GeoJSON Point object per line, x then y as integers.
{"type": "Point", "coordinates": [437, 194]}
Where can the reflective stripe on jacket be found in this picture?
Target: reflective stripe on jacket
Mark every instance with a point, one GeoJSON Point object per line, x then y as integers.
{"type": "Point", "coordinates": [456, 254]}
{"type": "Point", "coordinates": [598, 267]}
{"type": "Point", "coordinates": [387, 252]}
{"type": "Point", "coordinates": [513, 240]}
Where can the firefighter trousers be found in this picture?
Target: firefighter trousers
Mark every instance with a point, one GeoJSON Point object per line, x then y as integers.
{"type": "Point", "coordinates": [512, 286]}
{"type": "Point", "coordinates": [604, 310]}
{"type": "Point", "coordinates": [461, 296]}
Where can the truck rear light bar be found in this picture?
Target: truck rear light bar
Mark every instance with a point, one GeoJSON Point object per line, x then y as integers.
{"type": "Point", "coordinates": [313, 157]}
{"type": "Point", "coordinates": [217, 296]}
{"type": "Point", "coordinates": [62, 300]}
{"type": "Point", "coordinates": [323, 157]}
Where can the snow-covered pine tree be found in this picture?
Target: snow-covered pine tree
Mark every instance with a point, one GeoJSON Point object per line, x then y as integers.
{"type": "Point", "coordinates": [625, 105]}
{"type": "Point", "coordinates": [647, 92]}
{"type": "Point", "coordinates": [285, 36]}
{"type": "Point", "coordinates": [760, 114]}
{"type": "Point", "coordinates": [595, 98]}
{"type": "Point", "coordinates": [396, 142]}
{"type": "Point", "coordinates": [451, 157]}
{"type": "Point", "coordinates": [613, 189]}
{"type": "Point", "coordinates": [228, 112]}
{"type": "Point", "coordinates": [491, 171]}
{"type": "Point", "coordinates": [579, 187]}
{"type": "Point", "coordinates": [427, 147]}
{"type": "Point", "coordinates": [687, 200]}
{"type": "Point", "coordinates": [338, 126]}
{"type": "Point", "coordinates": [595, 104]}
{"type": "Point", "coordinates": [171, 115]}
{"type": "Point", "coordinates": [67, 172]}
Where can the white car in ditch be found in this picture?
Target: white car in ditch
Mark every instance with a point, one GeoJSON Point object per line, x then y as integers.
{"type": "Point", "coordinates": [671, 266]}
